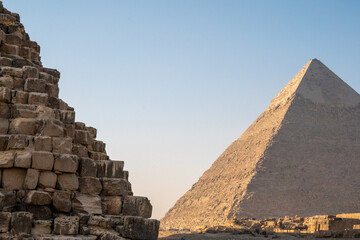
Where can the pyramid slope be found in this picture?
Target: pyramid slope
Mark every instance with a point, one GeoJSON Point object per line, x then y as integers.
{"type": "Point", "coordinates": [55, 176]}
{"type": "Point", "coordinates": [292, 160]}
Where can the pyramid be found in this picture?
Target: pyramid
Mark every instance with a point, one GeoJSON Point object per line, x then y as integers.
{"type": "Point", "coordinates": [300, 157]}
{"type": "Point", "coordinates": [56, 180]}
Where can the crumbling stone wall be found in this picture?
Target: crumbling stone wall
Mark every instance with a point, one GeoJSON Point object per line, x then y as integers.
{"type": "Point", "coordinates": [56, 178]}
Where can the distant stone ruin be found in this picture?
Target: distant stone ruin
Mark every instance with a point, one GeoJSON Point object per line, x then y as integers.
{"type": "Point", "coordinates": [57, 181]}
{"type": "Point", "coordinates": [300, 157]}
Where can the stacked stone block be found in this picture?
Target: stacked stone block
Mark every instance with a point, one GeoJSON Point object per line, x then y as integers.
{"type": "Point", "coordinates": [56, 179]}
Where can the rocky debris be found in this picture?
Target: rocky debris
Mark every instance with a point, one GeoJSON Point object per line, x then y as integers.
{"type": "Point", "coordinates": [56, 180]}
{"type": "Point", "coordinates": [287, 161]}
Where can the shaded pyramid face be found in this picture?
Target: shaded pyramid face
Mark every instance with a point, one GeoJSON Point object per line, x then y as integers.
{"type": "Point", "coordinates": [300, 157]}
{"type": "Point", "coordinates": [55, 176]}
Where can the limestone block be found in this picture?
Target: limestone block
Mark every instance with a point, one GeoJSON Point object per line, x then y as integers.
{"type": "Point", "coordinates": [100, 221]}
{"type": "Point", "coordinates": [99, 146]}
{"type": "Point", "coordinates": [35, 85]}
{"type": "Point", "coordinates": [19, 97]}
{"type": "Point", "coordinates": [21, 222]}
{"type": "Point", "coordinates": [115, 187]}
{"type": "Point", "coordinates": [13, 178]}
{"type": "Point", "coordinates": [23, 126]}
{"type": "Point", "coordinates": [140, 228]}
{"type": "Point", "coordinates": [38, 99]}
{"type": "Point", "coordinates": [110, 169]}
{"type": "Point", "coordinates": [67, 116]}
{"type": "Point", "coordinates": [40, 212]}
{"type": "Point", "coordinates": [9, 202]}
{"type": "Point", "coordinates": [48, 78]}
{"type": "Point", "coordinates": [90, 185]}
{"type": "Point", "coordinates": [31, 179]}
{"type": "Point", "coordinates": [11, 71]}
{"type": "Point", "coordinates": [66, 163]}
{"type": "Point", "coordinates": [66, 225]}
{"type": "Point", "coordinates": [51, 128]}
{"type": "Point", "coordinates": [4, 110]}
{"type": "Point", "coordinates": [137, 206]}
{"type": "Point", "coordinates": [62, 201]}
{"type": "Point", "coordinates": [23, 159]}
{"type": "Point", "coordinates": [68, 181]}
{"type": "Point", "coordinates": [80, 126]}
{"type": "Point", "coordinates": [7, 81]}
{"type": "Point", "coordinates": [5, 94]}
{"type": "Point", "coordinates": [52, 90]}
{"type": "Point", "coordinates": [53, 72]}
{"type": "Point", "coordinates": [7, 159]}
{"type": "Point", "coordinates": [6, 62]}
{"type": "Point", "coordinates": [98, 155]}
{"type": "Point", "coordinates": [5, 218]}
{"type": "Point", "coordinates": [87, 167]}
{"type": "Point", "coordinates": [4, 140]}
{"type": "Point", "coordinates": [30, 72]}
{"type": "Point", "coordinates": [19, 84]}
{"type": "Point", "coordinates": [2, 197]}
{"type": "Point", "coordinates": [42, 160]}
{"type": "Point", "coordinates": [23, 113]}
{"type": "Point", "coordinates": [88, 204]}
{"type": "Point", "coordinates": [10, 49]}
{"type": "Point", "coordinates": [37, 198]}
{"type": "Point", "coordinates": [17, 142]}
{"type": "Point", "coordinates": [62, 145]}
{"type": "Point", "coordinates": [41, 227]}
{"type": "Point", "coordinates": [13, 39]}
{"type": "Point", "coordinates": [43, 143]}
{"type": "Point", "coordinates": [47, 179]}
{"type": "Point", "coordinates": [92, 131]}
{"type": "Point", "coordinates": [111, 205]}
{"type": "Point", "coordinates": [45, 112]}
{"type": "Point", "coordinates": [82, 137]}
{"type": "Point", "coordinates": [69, 130]}
{"type": "Point", "coordinates": [80, 150]}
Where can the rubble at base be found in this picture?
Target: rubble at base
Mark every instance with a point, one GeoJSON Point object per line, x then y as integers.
{"type": "Point", "coordinates": [56, 180]}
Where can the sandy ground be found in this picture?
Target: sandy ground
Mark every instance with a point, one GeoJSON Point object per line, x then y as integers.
{"type": "Point", "coordinates": [227, 236]}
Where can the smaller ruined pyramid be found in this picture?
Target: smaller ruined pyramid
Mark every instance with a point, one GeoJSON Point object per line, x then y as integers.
{"type": "Point", "coordinates": [300, 157]}
{"type": "Point", "coordinates": [56, 180]}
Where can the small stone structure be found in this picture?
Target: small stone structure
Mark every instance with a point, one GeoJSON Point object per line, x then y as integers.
{"type": "Point", "coordinates": [57, 181]}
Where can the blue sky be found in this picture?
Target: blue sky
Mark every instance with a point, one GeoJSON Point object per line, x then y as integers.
{"type": "Point", "coordinates": [170, 84]}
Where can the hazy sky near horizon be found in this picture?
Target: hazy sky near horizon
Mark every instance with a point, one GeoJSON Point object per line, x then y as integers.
{"type": "Point", "coordinates": [170, 84]}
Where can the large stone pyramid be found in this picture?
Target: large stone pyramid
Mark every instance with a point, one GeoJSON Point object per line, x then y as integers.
{"type": "Point", "coordinates": [56, 178]}
{"type": "Point", "coordinates": [300, 157]}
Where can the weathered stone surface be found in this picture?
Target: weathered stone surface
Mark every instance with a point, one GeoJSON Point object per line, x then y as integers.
{"type": "Point", "coordinates": [90, 185]}
{"type": "Point", "coordinates": [140, 228]}
{"type": "Point", "coordinates": [44, 112]}
{"type": "Point", "coordinates": [41, 227]}
{"type": "Point", "coordinates": [21, 222]}
{"type": "Point", "coordinates": [9, 201]}
{"type": "Point", "coordinates": [43, 143]}
{"type": "Point", "coordinates": [19, 97]}
{"type": "Point", "coordinates": [5, 218]}
{"type": "Point", "coordinates": [66, 163]}
{"type": "Point", "coordinates": [88, 204]}
{"type": "Point", "coordinates": [37, 198]}
{"type": "Point", "coordinates": [67, 116]}
{"type": "Point", "coordinates": [23, 126]}
{"type": "Point", "coordinates": [31, 179]}
{"type": "Point", "coordinates": [30, 72]}
{"type": "Point", "coordinates": [39, 99]}
{"type": "Point", "coordinates": [87, 167]}
{"type": "Point", "coordinates": [62, 145]}
{"type": "Point", "coordinates": [40, 212]}
{"type": "Point", "coordinates": [5, 94]}
{"type": "Point", "coordinates": [110, 169]}
{"type": "Point", "coordinates": [4, 110]}
{"type": "Point", "coordinates": [115, 187]}
{"type": "Point", "coordinates": [23, 159]}
{"type": "Point", "coordinates": [82, 137]}
{"type": "Point", "coordinates": [137, 206]}
{"type": "Point", "coordinates": [17, 142]}
{"type": "Point", "coordinates": [4, 126]}
{"type": "Point", "coordinates": [47, 179]}
{"type": "Point", "coordinates": [62, 201]}
{"type": "Point", "coordinates": [68, 182]}
{"type": "Point", "coordinates": [66, 225]}
{"type": "Point", "coordinates": [35, 85]}
{"type": "Point", "coordinates": [42, 160]}
{"type": "Point", "coordinates": [13, 179]}
{"type": "Point", "coordinates": [111, 205]}
{"type": "Point", "coordinates": [51, 128]}
{"type": "Point", "coordinates": [7, 159]}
